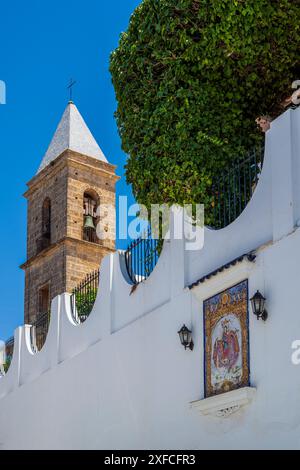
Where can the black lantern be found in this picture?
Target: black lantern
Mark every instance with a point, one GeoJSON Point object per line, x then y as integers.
{"type": "Point", "coordinates": [185, 336]}
{"type": "Point", "coordinates": [258, 306]}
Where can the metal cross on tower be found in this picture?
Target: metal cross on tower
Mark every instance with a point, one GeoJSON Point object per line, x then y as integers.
{"type": "Point", "coordinates": [70, 88]}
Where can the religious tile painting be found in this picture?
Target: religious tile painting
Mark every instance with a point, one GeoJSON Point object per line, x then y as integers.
{"type": "Point", "coordinates": [226, 338]}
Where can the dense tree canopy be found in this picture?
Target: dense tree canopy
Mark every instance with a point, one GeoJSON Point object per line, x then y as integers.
{"type": "Point", "coordinates": [190, 78]}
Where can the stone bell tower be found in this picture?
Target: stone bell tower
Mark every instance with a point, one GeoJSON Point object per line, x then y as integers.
{"type": "Point", "coordinates": [65, 197]}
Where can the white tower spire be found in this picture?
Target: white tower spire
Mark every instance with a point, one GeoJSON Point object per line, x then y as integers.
{"type": "Point", "coordinates": [72, 133]}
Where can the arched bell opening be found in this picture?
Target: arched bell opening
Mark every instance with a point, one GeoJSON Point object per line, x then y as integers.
{"type": "Point", "coordinates": [45, 239]}
{"type": "Point", "coordinates": [91, 204]}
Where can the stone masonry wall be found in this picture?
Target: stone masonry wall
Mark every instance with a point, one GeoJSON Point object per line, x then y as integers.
{"type": "Point", "coordinates": [81, 178]}
{"type": "Point", "coordinates": [68, 259]}
{"type": "Point", "coordinates": [48, 269]}
{"type": "Point", "coordinates": [54, 186]}
{"type": "Point", "coordinates": [82, 259]}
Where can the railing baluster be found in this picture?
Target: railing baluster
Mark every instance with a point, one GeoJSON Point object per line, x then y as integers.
{"type": "Point", "coordinates": [234, 195]}
{"type": "Point", "coordinates": [9, 349]}
{"type": "Point", "coordinates": [219, 204]}
{"type": "Point", "coordinates": [249, 164]}
{"type": "Point", "coordinates": [232, 190]}
{"type": "Point", "coordinates": [239, 188]}
{"type": "Point", "coordinates": [140, 260]}
{"type": "Point", "coordinates": [84, 295]}
{"type": "Point", "coordinates": [255, 168]}
{"type": "Point", "coordinates": [224, 202]}
{"type": "Point", "coordinates": [231, 193]}
{"type": "Point", "coordinates": [229, 199]}
{"type": "Point", "coordinates": [245, 187]}
{"type": "Point", "coordinates": [141, 257]}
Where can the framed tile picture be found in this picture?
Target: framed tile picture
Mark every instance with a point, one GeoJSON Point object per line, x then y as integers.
{"type": "Point", "coordinates": [226, 340]}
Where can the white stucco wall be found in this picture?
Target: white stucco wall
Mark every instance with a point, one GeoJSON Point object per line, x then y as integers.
{"type": "Point", "coordinates": [122, 380]}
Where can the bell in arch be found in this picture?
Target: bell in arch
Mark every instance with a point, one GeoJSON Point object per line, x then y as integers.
{"type": "Point", "coordinates": [89, 222]}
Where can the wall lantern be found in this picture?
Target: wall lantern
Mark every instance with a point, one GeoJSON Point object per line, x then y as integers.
{"type": "Point", "coordinates": [185, 336]}
{"type": "Point", "coordinates": [258, 306]}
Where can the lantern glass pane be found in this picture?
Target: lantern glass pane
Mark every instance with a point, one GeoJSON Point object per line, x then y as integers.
{"type": "Point", "coordinates": [257, 303]}
{"type": "Point", "coordinates": [254, 306]}
{"type": "Point", "coordinates": [181, 337]}
{"type": "Point", "coordinates": [186, 337]}
{"type": "Point", "coordinates": [260, 303]}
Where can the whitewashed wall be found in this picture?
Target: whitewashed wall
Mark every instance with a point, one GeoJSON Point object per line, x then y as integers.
{"type": "Point", "coordinates": [122, 380]}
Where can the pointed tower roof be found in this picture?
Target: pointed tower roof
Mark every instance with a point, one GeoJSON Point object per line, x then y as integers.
{"type": "Point", "coordinates": [72, 133]}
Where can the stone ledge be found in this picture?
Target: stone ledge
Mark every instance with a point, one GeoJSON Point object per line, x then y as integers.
{"type": "Point", "coordinates": [67, 241]}
{"type": "Point", "coordinates": [225, 404]}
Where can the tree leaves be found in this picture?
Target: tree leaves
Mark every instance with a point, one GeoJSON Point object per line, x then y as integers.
{"type": "Point", "coordinates": [190, 78]}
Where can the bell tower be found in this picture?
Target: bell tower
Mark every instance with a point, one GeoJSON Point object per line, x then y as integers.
{"type": "Point", "coordinates": [73, 183]}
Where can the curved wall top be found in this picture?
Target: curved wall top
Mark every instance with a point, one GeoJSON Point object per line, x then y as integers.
{"type": "Point", "coordinates": [273, 210]}
{"type": "Point", "coordinates": [272, 213]}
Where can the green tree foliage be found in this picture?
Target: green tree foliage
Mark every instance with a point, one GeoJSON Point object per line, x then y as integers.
{"type": "Point", "coordinates": [190, 78]}
{"type": "Point", "coordinates": [7, 364]}
{"type": "Point", "coordinates": [85, 302]}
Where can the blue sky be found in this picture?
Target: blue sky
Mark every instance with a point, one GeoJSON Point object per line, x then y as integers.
{"type": "Point", "coordinates": [42, 44]}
